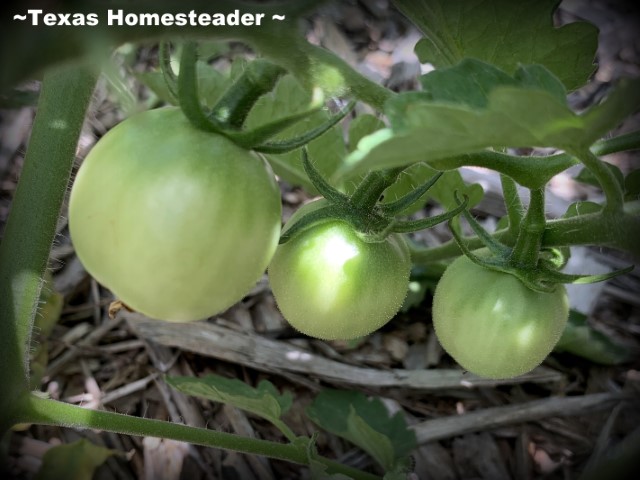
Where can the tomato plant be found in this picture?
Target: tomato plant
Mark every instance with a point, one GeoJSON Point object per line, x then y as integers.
{"type": "Point", "coordinates": [331, 284]}
{"type": "Point", "coordinates": [177, 222]}
{"type": "Point", "coordinates": [179, 215]}
{"type": "Point", "coordinates": [492, 324]}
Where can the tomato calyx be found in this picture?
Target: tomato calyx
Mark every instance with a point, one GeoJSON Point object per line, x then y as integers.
{"type": "Point", "coordinates": [372, 221]}
{"type": "Point", "coordinates": [228, 116]}
{"type": "Point", "coordinates": [536, 267]}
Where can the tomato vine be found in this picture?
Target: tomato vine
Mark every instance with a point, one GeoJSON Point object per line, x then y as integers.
{"type": "Point", "coordinates": [342, 264]}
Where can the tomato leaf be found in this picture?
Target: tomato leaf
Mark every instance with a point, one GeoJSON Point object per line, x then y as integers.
{"type": "Point", "coordinates": [471, 81]}
{"type": "Point", "coordinates": [514, 116]}
{"type": "Point", "coordinates": [74, 461]}
{"type": "Point", "coordinates": [264, 400]}
{"type": "Point", "coordinates": [632, 185]}
{"type": "Point", "coordinates": [371, 441]}
{"type": "Point", "coordinates": [326, 152]}
{"type": "Point", "coordinates": [581, 339]}
{"type": "Point", "coordinates": [318, 469]}
{"type": "Point", "coordinates": [586, 176]}
{"type": "Point", "coordinates": [361, 126]}
{"type": "Point", "coordinates": [582, 208]}
{"type": "Point", "coordinates": [364, 422]}
{"type": "Point", "coordinates": [503, 33]}
{"type": "Point", "coordinates": [211, 84]}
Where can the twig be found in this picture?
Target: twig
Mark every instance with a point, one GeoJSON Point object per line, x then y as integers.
{"type": "Point", "coordinates": [277, 357]}
{"type": "Point", "coordinates": [495, 417]}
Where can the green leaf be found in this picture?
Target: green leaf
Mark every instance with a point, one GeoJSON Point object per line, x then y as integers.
{"type": "Point", "coordinates": [319, 472]}
{"type": "Point", "coordinates": [580, 339]}
{"type": "Point", "coordinates": [74, 461]}
{"type": "Point", "coordinates": [621, 103]}
{"type": "Point", "coordinates": [326, 152]}
{"type": "Point", "coordinates": [211, 49]}
{"type": "Point", "coordinates": [444, 189]}
{"type": "Point", "coordinates": [211, 84]}
{"type": "Point", "coordinates": [416, 293]}
{"type": "Point", "coordinates": [361, 126]}
{"type": "Point", "coordinates": [586, 176]}
{"type": "Point", "coordinates": [470, 82]}
{"type": "Point", "coordinates": [364, 422]}
{"type": "Point", "coordinates": [538, 77]}
{"type": "Point", "coordinates": [514, 117]}
{"type": "Point", "coordinates": [408, 180]}
{"type": "Point", "coordinates": [375, 443]}
{"type": "Point", "coordinates": [17, 98]}
{"type": "Point", "coordinates": [632, 185]}
{"type": "Point", "coordinates": [582, 208]}
{"type": "Point", "coordinates": [155, 82]}
{"type": "Point", "coordinates": [121, 91]}
{"type": "Point", "coordinates": [504, 33]}
{"type": "Point", "coordinates": [264, 400]}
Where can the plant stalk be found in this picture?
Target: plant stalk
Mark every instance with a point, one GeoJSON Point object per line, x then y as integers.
{"type": "Point", "coordinates": [529, 239]}
{"type": "Point", "coordinates": [616, 231]}
{"type": "Point", "coordinates": [512, 202]}
{"type": "Point", "coordinates": [31, 227]}
{"type": "Point", "coordinates": [374, 183]}
{"type": "Point", "coordinates": [45, 411]}
{"type": "Point", "coordinates": [612, 189]}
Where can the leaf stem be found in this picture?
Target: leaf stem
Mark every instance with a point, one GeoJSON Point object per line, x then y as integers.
{"type": "Point", "coordinates": [234, 106]}
{"type": "Point", "coordinates": [188, 91]}
{"type": "Point", "coordinates": [621, 143]}
{"type": "Point", "coordinates": [615, 231]}
{"type": "Point", "coordinates": [612, 189]}
{"type": "Point", "coordinates": [45, 411]}
{"type": "Point", "coordinates": [368, 192]}
{"type": "Point", "coordinates": [512, 202]}
{"type": "Point", "coordinates": [529, 239]}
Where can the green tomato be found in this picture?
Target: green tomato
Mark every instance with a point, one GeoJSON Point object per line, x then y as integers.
{"type": "Point", "coordinates": [179, 223]}
{"type": "Point", "coordinates": [332, 285]}
{"type": "Point", "coordinates": [492, 324]}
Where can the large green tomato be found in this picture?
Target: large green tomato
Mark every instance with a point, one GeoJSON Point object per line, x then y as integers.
{"type": "Point", "coordinates": [492, 324]}
{"type": "Point", "coordinates": [180, 224]}
{"type": "Point", "coordinates": [332, 285]}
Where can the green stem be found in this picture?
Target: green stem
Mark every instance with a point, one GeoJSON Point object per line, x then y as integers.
{"type": "Point", "coordinates": [529, 171]}
{"type": "Point", "coordinates": [612, 189]}
{"type": "Point", "coordinates": [44, 411]}
{"type": "Point", "coordinates": [374, 183]}
{"type": "Point", "coordinates": [533, 171]}
{"type": "Point", "coordinates": [512, 202]}
{"type": "Point", "coordinates": [31, 226]}
{"type": "Point", "coordinates": [620, 231]}
{"type": "Point", "coordinates": [258, 78]}
{"type": "Point", "coordinates": [358, 85]}
{"type": "Point", "coordinates": [529, 239]}
{"type": "Point", "coordinates": [170, 78]}
{"type": "Point", "coordinates": [188, 91]}
{"type": "Point", "coordinates": [616, 231]}
{"type": "Point", "coordinates": [621, 143]}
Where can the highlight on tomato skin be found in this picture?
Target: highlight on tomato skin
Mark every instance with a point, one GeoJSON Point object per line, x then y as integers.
{"type": "Point", "coordinates": [179, 223]}
{"type": "Point", "coordinates": [330, 284]}
{"type": "Point", "coordinates": [492, 324]}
